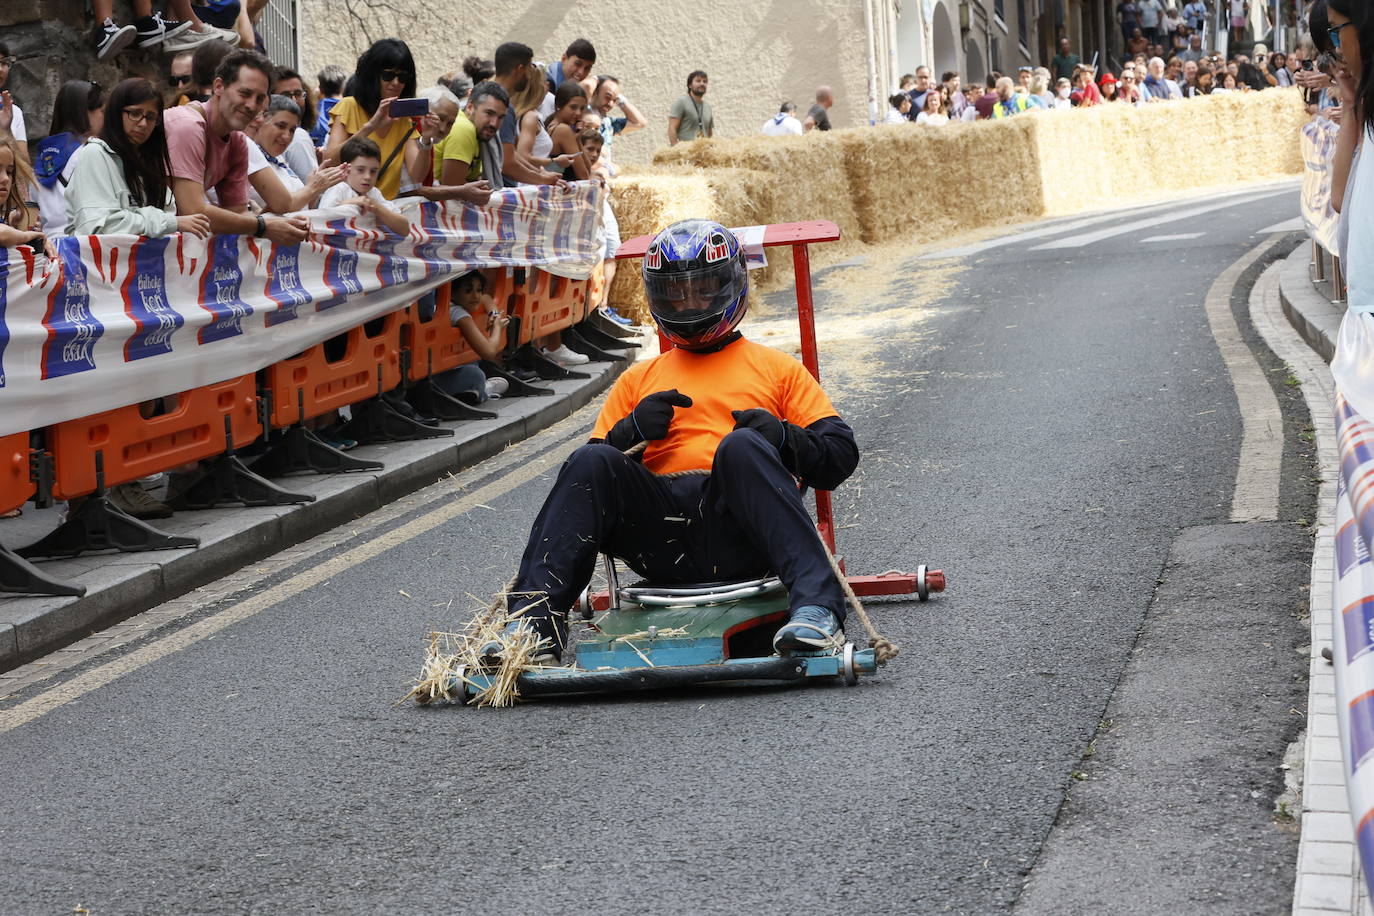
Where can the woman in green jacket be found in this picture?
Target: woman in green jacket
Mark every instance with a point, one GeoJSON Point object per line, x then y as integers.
{"type": "Point", "coordinates": [120, 181]}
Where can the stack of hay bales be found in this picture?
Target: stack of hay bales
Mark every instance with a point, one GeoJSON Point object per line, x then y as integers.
{"type": "Point", "coordinates": [903, 183]}
{"type": "Point", "coordinates": [1095, 156]}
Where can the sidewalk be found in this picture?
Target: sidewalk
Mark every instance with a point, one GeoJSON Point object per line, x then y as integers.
{"type": "Point", "coordinates": [119, 585]}
{"type": "Point", "coordinates": [1329, 878]}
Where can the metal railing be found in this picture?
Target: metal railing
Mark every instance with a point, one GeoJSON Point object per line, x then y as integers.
{"type": "Point", "coordinates": [279, 34]}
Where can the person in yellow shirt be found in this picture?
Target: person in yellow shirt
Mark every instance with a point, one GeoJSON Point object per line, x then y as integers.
{"type": "Point", "coordinates": [384, 72]}
{"type": "Point", "coordinates": [458, 157]}
{"type": "Point", "coordinates": [749, 414]}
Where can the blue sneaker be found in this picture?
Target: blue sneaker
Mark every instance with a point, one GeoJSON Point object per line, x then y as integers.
{"type": "Point", "coordinates": [810, 629]}
{"type": "Point", "coordinates": [616, 316]}
{"type": "Point", "coordinates": [544, 627]}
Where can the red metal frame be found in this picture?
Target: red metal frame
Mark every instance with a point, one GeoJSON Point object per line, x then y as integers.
{"type": "Point", "coordinates": [798, 236]}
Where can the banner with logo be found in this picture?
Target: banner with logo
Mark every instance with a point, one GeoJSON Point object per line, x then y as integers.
{"type": "Point", "coordinates": [115, 320]}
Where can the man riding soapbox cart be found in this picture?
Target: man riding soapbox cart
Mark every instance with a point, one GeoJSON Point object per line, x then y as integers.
{"type": "Point", "coordinates": [694, 478]}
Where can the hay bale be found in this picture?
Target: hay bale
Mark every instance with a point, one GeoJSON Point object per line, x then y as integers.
{"type": "Point", "coordinates": [810, 171]}
{"type": "Point", "coordinates": [1108, 153]}
{"type": "Point", "coordinates": [912, 182]}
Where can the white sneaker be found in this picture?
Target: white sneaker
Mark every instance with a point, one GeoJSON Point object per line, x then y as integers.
{"type": "Point", "coordinates": [497, 386]}
{"type": "Point", "coordinates": [191, 39]}
{"type": "Point", "coordinates": [154, 30]}
{"type": "Point", "coordinates": [565, 357]}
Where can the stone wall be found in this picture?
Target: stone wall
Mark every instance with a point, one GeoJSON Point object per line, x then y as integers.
{"type": "Point", "coordinates": [757, 54]}
{"type": "Point", "coordinates": [50, 40]}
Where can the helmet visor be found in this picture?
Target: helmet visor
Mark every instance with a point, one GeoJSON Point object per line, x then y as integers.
{"type": "Point", "coordinates": [693, 298]}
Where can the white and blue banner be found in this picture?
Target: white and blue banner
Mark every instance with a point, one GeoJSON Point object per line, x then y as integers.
{"type": "Point", "coordinates": [115, 320]}
{"type": "Point", "coordinates": [1353, 606]}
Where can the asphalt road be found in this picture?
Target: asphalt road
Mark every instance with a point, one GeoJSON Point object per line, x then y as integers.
{"type": "Point", "coordinates": [1052, 427]}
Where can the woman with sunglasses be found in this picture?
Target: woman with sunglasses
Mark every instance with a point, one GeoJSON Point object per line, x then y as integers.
{"type": "Point", "coordinates": [120, 184]}
{"type": "Point", "coordinates": [77, 115]}
{"type": "Point", "coordinates": [384, 72]}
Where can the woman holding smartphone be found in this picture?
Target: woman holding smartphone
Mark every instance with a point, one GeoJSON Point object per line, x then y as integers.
{"type": "Point", "coordinates": [569, 104]}
{"type": "Point", "coordinates": [384, 72]}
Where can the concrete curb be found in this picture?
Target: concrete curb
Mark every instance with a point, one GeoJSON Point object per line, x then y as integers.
{"type": "Point", "coordinates": [1316, 318]}
{"type": "Point", "coordinates": [120, 585]}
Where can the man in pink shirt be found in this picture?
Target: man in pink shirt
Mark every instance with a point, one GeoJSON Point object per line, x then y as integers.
{"type": "Point", "coordinates": [209, 152]}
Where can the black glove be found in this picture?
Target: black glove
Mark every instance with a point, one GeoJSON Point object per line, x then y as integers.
{"type": "Point", "coordinates": [797, 446]}
{"type": "Point", "coordinates": [649, 420]}
{"type": "Point", "coordinates": [764, 423]}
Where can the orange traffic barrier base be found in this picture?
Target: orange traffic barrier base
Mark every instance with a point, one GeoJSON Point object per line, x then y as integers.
{"type": "Point", "coordinates": [225, 480]}
{"type": "Point", "coordinates": [94, 523]}
{"type": "Point", "coordinates": [17, 575]}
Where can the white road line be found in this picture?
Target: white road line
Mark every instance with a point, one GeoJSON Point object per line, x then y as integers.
{"type": "Point", "coordinates": [1180, 237]}
{"type": "Point", "coordinates": [61, 694]}
{"type": "Point", "coordinates": [1256, 494]}
{"type": "Point", "coordinates": [1069, 224]}
{"type": "Point", "coordinates": [1018, 238]}
{"type": "Point", "coordinates": [1091, 238]}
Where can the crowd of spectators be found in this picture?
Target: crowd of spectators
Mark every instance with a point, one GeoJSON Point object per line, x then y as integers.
{"type": "Point", "coordinates": [230, 143]}
{"type": "Point", "coordinates": [1067, 82]}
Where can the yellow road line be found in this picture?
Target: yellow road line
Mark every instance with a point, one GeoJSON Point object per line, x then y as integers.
{"type": "Point", "coordinates": [61, 694]}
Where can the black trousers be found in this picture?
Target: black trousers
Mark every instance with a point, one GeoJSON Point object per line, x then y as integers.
{"type": "Point", "coordinates": [746, 519]}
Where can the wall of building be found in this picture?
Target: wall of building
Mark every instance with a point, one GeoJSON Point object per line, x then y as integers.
{"type": "Point", "coordinates": [756, 54]}
{"type": "Point", "coordinates": [969, 37]}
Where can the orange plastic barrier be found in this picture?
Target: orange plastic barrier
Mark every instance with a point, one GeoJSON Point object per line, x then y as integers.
{"type": "Point", "coordinates": [15, 485]}
{"type": "Point", "coordinates": [596, 287]}
{"type": "Point", "coordinates": [134, 446]}
{"type": "Point", "coordinates": [301, 387]}
{"type": "Point", "coordinates": [545, 304]}
{"type": "Point", "coordinates": [311, 379]}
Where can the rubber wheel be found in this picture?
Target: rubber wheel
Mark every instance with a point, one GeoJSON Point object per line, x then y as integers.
{"type": "Point", "coordinates": [922, 586]}
{"type": "Point", "coordinates": [848, 673]}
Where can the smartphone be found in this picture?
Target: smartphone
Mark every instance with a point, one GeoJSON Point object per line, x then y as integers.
{"type": "Point", "coordinates": [408, 108]}
{"type": "Point", "coordinates": [1310, 96]}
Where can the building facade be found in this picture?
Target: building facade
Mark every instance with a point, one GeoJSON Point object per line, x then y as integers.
{"type": "Point", "coordinates": [975, 37]}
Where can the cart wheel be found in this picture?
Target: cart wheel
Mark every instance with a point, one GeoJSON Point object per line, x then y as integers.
{"type": "Point", "coordinates": [922, 585]}
{"type": "Point", "coordinates": [584, 603]}
{"type": "Point", "coordinates": [848, 672]}
{"type": "Point", "coordinates": [464, 691]}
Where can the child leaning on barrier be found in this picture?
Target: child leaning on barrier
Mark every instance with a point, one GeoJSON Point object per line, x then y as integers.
{"type": "Point", "coordinates": [474, 312]}
{"type": "Point", "coordinates": [359, 189]}
{"type": "Point", "coordinates": [19, 222]}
